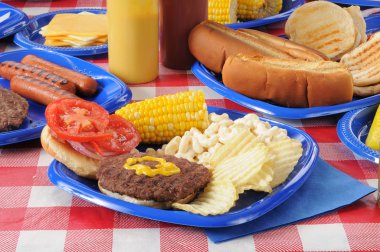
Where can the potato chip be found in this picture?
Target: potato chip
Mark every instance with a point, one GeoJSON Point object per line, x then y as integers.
{"type": "Point", "coordinates": [261, 181]}
{"type": "Point", "coordinates": [240, 143]}
{"type": "Point", "coordinates": [286, 153]}
{"type": "Point", "coordinates": [217, 198]}
{"type": "Point", "coordinates": [247, 170]}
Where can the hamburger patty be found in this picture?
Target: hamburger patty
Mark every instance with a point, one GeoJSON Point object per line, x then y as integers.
{"type": "Point", "coordinates": [115, 178]}
{"type": "Point", "coordinates": [13, 110]}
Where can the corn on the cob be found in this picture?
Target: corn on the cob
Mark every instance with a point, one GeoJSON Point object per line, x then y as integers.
{"type": "Point", "coordinates": [249, 9]}
{"type": "Point", "coordinates": [270, 8]}
{"type": "Point", "coordinates": [161, 118]}
{"type": "Point", "coordinates": [222, 11]}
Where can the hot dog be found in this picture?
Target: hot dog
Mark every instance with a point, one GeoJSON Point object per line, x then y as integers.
{"type": "Point", "coordinates": [9, 69]}
{"type": "Point", "coordinates": [37, 90]}
{"type": "Point", "coordinates": [85, 85]}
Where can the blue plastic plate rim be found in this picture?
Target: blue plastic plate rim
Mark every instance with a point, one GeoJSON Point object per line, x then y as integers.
{"type": "Point", "coordinates": [17, 20]}
{"type": "Point", "coordinates": [210, 80]}
{"type": "Point", "coordinates": [112, 92]}
{"type": "Point", "coordinates": [30, 38]}
{"type": "Point", "coordinates": [62, 177]}
{"type": "Point", "coordinates": [366, 3]}
{"type": "Point", "coordinates": [353, 129]}
{"type": "Point", "coordinates": [288, 7]}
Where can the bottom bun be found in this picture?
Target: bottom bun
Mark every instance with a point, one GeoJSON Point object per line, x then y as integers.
{"type": "Point", "coordinates": [81, 165]}
{"type": "Point", "coordinates": [150, 203]}
{"type": "Point", "coordinates": [367, 91]}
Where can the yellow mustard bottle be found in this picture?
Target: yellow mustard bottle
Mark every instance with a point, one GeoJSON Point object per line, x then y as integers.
{"type": "Point", "coordinates": [133, 40]}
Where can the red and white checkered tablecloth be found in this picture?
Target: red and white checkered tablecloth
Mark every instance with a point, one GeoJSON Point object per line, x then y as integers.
{"type": "Point", "coordinates": [37, 216]}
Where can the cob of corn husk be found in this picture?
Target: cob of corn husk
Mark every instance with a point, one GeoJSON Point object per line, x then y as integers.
{"type": "Point", "coordinates": [229, 11]}
{"type": "Point", "coordinates": [161, 118]}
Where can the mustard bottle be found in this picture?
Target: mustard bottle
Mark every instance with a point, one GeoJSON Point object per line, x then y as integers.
{"type": "Point", "coordinates": [133, 39]}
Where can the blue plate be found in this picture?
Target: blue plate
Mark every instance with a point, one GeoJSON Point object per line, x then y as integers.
{"type": "Point", "coordinates": [30, 38]}
{"type": "Point", "coordinates": [214, 82]}
{"type": "Point", "coordinates": [112, 93]}
{"type": "Point", "coordinates": [15, 20]}
{"type": "Point", "coordinates": [353, 129]}
{"type": "Point", "coordinates": [288, 6]}
{"type": "Point", "coordinates": [366, 3]}
{"type": "Point", "coordinates": [250, 205]}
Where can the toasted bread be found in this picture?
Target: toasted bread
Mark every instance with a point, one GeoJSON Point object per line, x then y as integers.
{"type": "Point", "coordinates": [323, 26]}
{"type": "Point", "coordinates": [359, 23]}
{"type": "Point", "coordinates": [363, 62]}
{"type": "Point", "coordinates": [367, 91]}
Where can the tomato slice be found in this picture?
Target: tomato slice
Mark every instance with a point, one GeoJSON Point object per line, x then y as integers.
{"type": "Point", "coordinates": [78, 120]}
{"type": "Point", "coordinates": [125, 137]}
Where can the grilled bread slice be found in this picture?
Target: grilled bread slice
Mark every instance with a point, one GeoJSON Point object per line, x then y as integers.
{"type": "Point", "coordinates": [323, 26]}
{"type": "Point", "coordinates": [364, 62]}
{"type": "Point", "coordinates": [359, 23]}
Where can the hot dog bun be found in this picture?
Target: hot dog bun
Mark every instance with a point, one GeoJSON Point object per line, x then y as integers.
{"type": "Point", "coordinates": [212, 43]}
{"type": "Point", "coordinates": [81, 165]}
{"type": "Point", "coordinates": [291, 83]}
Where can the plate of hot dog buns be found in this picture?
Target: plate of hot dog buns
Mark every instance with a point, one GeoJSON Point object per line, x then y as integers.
{"type": "Point", "coordinates": [187, 166]}
{"type": "Point", "coordinates": [11, 20]}
{"type": "Point", "coordinates": [31, 79]}
{"type": "Point", "coordinates": [308, 74]}
{"type": "Point", "coordinates": [76, 32]}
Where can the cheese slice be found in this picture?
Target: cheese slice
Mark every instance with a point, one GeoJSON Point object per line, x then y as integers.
{"type": "Point", "coordinates": [84, 25]}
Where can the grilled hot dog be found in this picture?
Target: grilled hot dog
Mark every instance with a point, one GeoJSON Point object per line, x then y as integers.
{"type": "Point", "coordinates": [9, 69]}
{"type": "Point", "coordinates": [38, 91]}
{"type": "Point", "coordinates": [85, 85]}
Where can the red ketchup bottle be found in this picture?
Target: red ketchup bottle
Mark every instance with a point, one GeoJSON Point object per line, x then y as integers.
{"type": "Point", "coordinates": [176, 19]}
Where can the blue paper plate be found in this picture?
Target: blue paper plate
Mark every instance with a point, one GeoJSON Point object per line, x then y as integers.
{"type": "Point", "coordinates": [366, 3]}
{"type": "Point", "coordinates": [112, 93]}
{"type": "Point", "coordinates": [288, 6]}
{"type": "Point", "coordinates": [30, 38]}
{"type": "Point", "coordinates": [15, 21]}
{"type": "Point", "coordinates": [353, 129]}
{"type": "Point", "coordinates": [214, 82]}
{"type": "Point", "coordinates": [249, 206]}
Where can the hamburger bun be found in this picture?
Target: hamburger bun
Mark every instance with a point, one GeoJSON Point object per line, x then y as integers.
{"type": "Point", "coordinates": [81, 165]}
{"type": "Point", "coordinates": [326, 27]}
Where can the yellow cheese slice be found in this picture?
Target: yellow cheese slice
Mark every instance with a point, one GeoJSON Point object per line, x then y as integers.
{"type": "Point", "coordinates": [85, 25]}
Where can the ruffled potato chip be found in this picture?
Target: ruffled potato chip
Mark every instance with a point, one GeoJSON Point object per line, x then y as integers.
{"type": "Point", "coordinates": [242, 142]}
{"type": "Point", "coordinates": [286, 154]}
{"type": "Point", "coordinates": [218, 197]}
{"type": "Point", "coordinates": [247, 170]}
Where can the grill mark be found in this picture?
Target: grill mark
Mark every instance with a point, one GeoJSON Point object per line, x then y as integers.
{"type": "Point", "coordinates": [331, 43]}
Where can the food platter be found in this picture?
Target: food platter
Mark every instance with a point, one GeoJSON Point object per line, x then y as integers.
{"type": "Point", "coordinates": [353, 129]}
{"type": "Point", "coordinates": [288, 6]}
{"type": "Point", "coordinates": [11, 20]}
{"type": "Point", "coordinates": [30, 38]}
{"type": "Point", "coordinates": [214, 82]}
{"type": "Point", "coordinates": [112, 93]}
{"type": "Point", "coordinates": [249, 206]}
{"type": "Point", "coordinates": [367, 3]}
